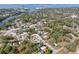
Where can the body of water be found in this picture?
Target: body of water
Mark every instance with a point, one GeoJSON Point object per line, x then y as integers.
{"type": "Point", "coordinates": [38, 5]}
{"type": "Point", "coordinates": [32, 6]}
{"type": "Point", "coordinates": [7, 19]}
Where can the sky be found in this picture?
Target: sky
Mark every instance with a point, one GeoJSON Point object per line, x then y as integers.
{"type": "Point", "coordinates": [39, 1]}
{"type": "Point", "coordinates": [38, 5]}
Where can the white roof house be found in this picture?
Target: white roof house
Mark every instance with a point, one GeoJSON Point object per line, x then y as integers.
{"type": "Point", "coordinates": [74, 16]}
{"type": "Point", "coordinates": [24, 35]}
{"type": "Point", "coordinates": [43, 48]}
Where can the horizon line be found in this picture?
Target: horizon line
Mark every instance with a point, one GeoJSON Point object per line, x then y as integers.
{"type": "Point", "coordinates": [31, 6]}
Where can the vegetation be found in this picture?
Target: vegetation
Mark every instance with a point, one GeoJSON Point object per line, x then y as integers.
{"type": "Point", "coordinates": [55, 26]}
{"type": "Point", "coordinates": [6, 37]}
{"type": "Point", "coordinates": [71, 47]}
{"type": "Point", "coordinates": [48, 51]}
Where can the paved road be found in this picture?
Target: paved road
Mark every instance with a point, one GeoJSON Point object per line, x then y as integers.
{"type": "Point", "coordinates": [10, 31]}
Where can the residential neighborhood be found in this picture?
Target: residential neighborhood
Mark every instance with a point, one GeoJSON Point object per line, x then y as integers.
{"type": "Point", "coordinates": [39, 31]}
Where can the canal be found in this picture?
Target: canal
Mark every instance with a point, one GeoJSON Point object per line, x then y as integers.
{"type": "Point", "coordinates": [7, 19]}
